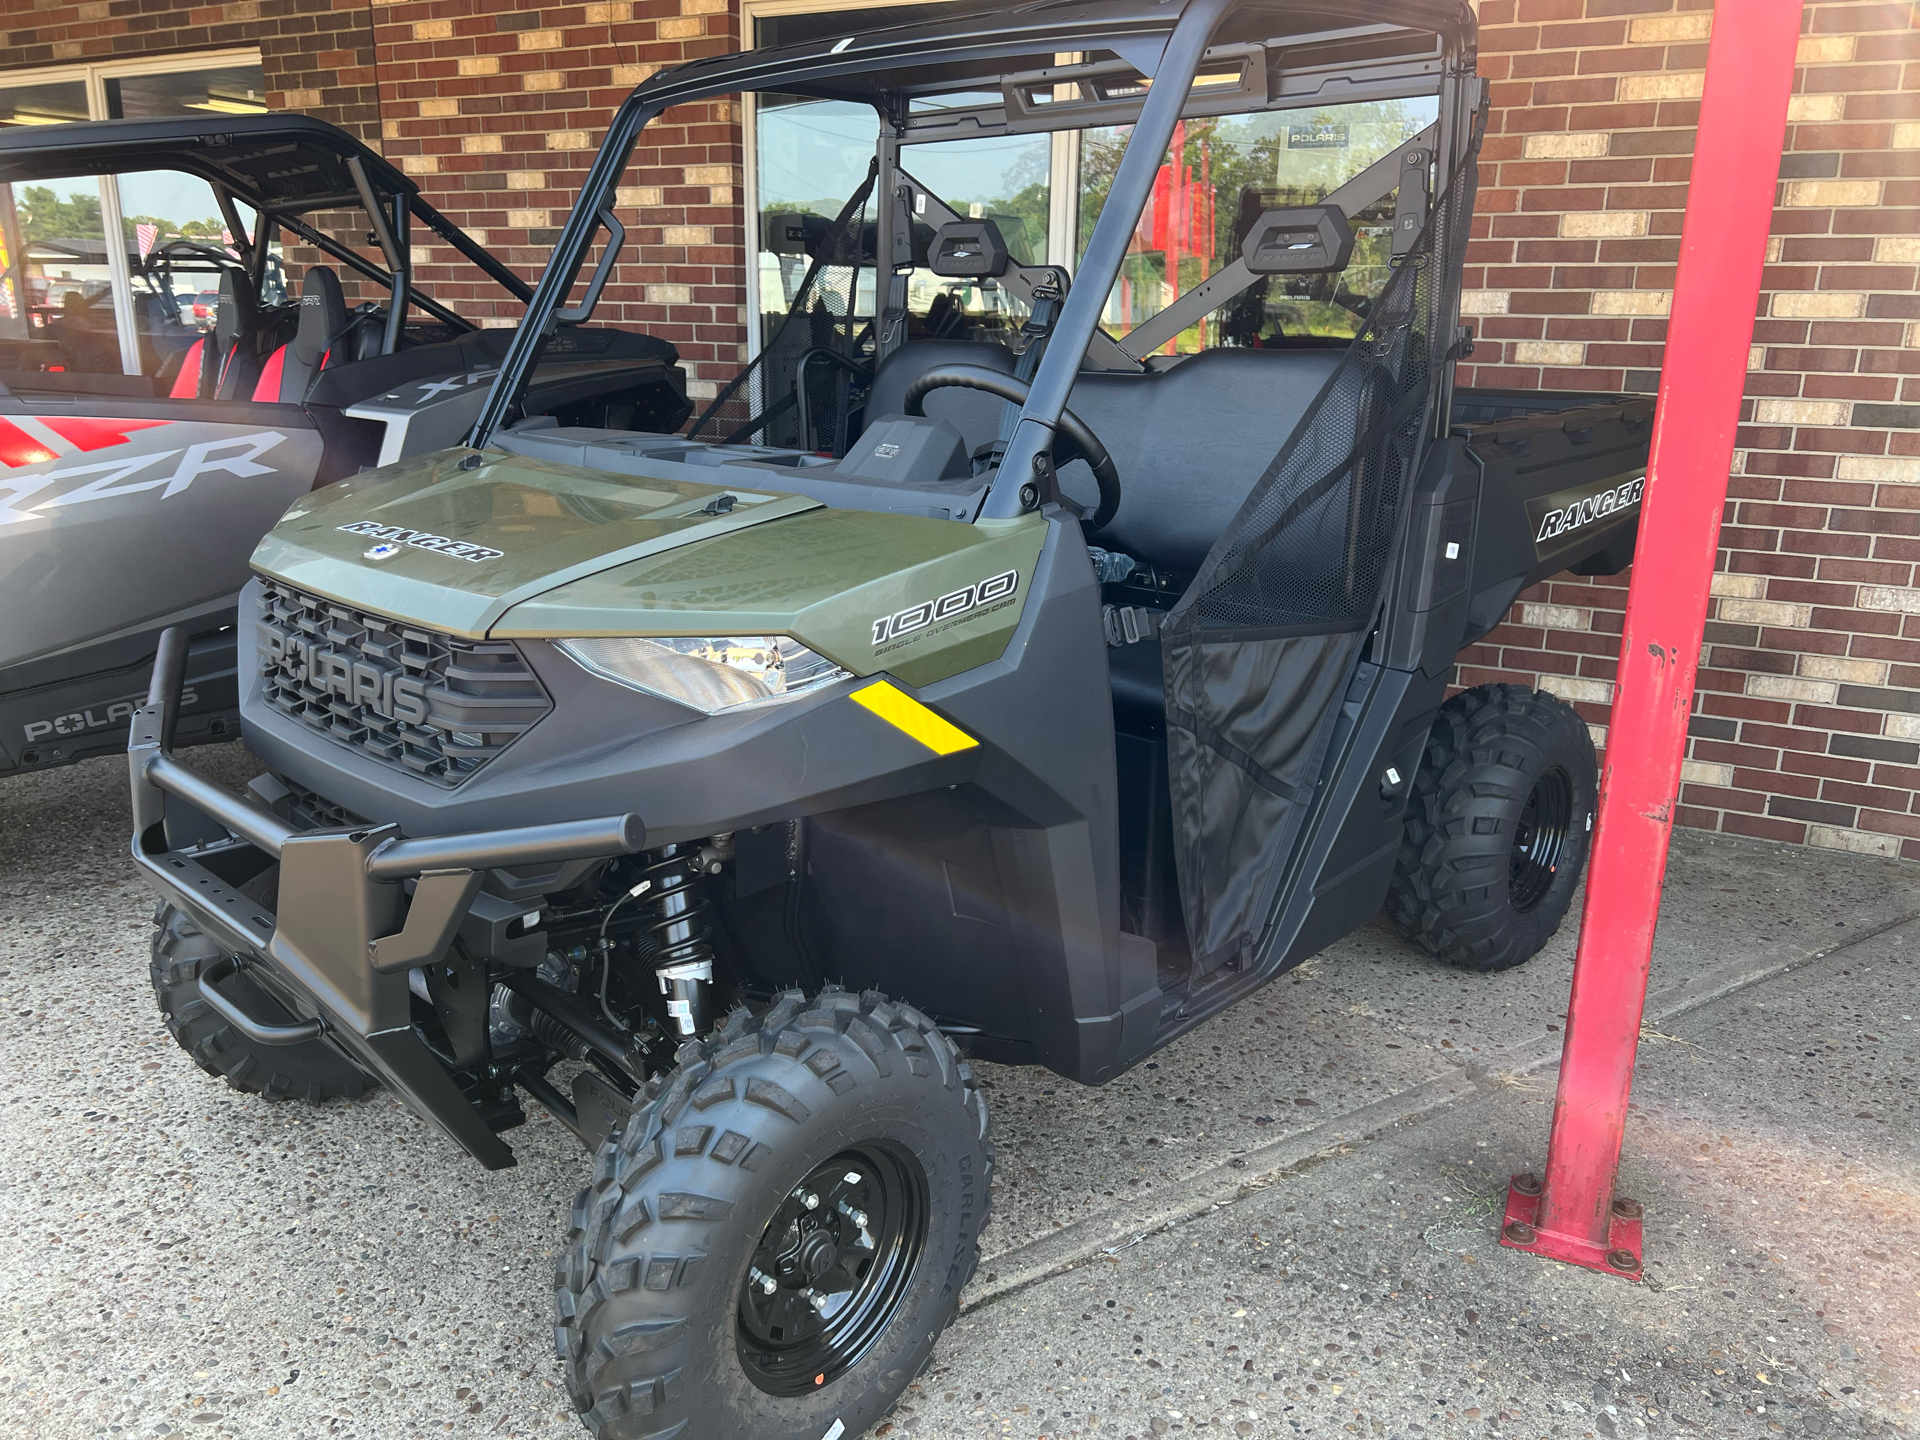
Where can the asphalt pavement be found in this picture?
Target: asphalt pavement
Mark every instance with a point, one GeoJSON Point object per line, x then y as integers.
{"type": "Point", "coordinates": [1283, 1224]}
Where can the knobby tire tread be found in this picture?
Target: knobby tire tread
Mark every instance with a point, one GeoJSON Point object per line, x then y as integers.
{"type": "Point", "coordinates": [665, 1184]}
{"type": "Point", "coordinates": [1449, 893]}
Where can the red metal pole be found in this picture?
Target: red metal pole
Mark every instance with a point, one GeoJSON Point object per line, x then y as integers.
{"type": "Point", "coordinates": [1736, 163]}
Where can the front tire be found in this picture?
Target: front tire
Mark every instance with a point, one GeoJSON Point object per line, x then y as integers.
{"type": "Point", "coordinates": [310, 1071]}
{"type": "Point", "coordinates": [775, 1239]}
{"type": "Point", "coordinates": [1497, 828]}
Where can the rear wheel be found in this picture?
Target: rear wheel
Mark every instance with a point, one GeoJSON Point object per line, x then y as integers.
{"type": "Point", "coordinates": [779, 1233]}
{"type": "Point", "coordinates": [312, 1071]}
{"type": "Point", "coordinates": [1497, 828]}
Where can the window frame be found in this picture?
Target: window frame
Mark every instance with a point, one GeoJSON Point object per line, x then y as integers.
{"type": "Point", "coordinates": [95, 77]}
{"type": "Point", "coordinates": [751, 13]}
{"type": "Point", "coordinates": [1064, 161]}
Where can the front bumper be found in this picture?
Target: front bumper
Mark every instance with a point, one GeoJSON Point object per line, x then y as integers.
{"type": "Point", "coordinates": [357, 910]}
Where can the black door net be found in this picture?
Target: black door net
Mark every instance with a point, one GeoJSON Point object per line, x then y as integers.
{"type": "Point", "coordinates": [1257, 654]}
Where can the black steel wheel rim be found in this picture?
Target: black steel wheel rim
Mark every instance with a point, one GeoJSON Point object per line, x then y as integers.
{"type": "Point", "coordinates": [1539, 839]}
{"type": "Point", "coordinates": [832, 1268]}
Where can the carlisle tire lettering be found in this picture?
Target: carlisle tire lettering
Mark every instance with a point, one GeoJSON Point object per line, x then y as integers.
{"type": "Point", "coordinates": [949, 606]}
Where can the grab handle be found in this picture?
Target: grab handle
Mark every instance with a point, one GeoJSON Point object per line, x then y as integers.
{"type": "Point", "coordinates": [260, 1034]}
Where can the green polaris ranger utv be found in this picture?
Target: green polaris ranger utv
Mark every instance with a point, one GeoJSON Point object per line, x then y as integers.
{"type": "Point", "coordinates": [1044, 644]}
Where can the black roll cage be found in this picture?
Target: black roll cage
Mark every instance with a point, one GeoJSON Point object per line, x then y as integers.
{"type": "Point", "coordinates": [200, 148]}
{"type": "Point", "coordinates": [1166, 46]}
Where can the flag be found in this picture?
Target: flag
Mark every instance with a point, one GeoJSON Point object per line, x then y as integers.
{"type": "Point", "coordinates": [146, 235]}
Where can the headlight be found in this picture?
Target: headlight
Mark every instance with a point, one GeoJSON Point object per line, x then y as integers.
{"type": "Point", "coordinates": [710, 673]}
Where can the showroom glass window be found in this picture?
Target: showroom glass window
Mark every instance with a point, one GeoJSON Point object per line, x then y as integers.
{"type": "Point", "coordinates": [80, 283]}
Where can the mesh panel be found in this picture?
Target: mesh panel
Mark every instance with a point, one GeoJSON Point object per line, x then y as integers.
{"type": "Point", "coordinates": [1256, 654]}
{"type": "Point", "coordinates": [762, 405]}
{"type": "Point", "coordinates": [1308, 550]}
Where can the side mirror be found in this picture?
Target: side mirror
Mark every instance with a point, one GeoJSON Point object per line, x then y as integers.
{"type": "Point", "coordinates": [1299, 241]}
{"type": "Point", "coordinates": [968, 250]}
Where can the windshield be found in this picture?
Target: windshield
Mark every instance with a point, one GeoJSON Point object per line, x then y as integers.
{"type": "Point", "coordinates": [1215, 180]}
{"type": "Point", "coordinates": [1045, 192]}
{"type": "Point", "coordinates": [849, 199]}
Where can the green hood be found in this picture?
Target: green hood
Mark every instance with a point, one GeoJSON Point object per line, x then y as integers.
{"type": "Point", "coordinates": [921, 599]}
{"type": "Point", "coordinates": [530, 549]}
{"type": "Point", "coordinates": [452, 549]}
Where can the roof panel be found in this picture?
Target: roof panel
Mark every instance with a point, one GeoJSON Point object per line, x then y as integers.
{"type": "Point", "coordinates": [283, 163]}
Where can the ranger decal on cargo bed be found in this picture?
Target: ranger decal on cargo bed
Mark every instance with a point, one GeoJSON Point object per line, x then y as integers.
{"type": "Point", "coordinates": [1558, 515]}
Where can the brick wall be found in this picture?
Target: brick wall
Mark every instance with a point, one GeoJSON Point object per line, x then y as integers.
{"type": "Point", "coordinates": [317, 55]}
{"type": "Point", "coordinates": [1808, 718]}
{"type": "Point", "coordinates": [1807, 724]}
{"type": "Point", "coordinates": [497, 112]}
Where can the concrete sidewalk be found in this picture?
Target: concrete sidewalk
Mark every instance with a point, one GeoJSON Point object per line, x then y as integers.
{"type": "Point", "coordinates": [192, 1260]}
{"type": "Point", "coordinates": [1773, 1143]}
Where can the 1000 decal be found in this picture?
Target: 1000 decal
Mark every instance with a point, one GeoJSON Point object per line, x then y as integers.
{"type": "Point", "coordinates": [951, 606]}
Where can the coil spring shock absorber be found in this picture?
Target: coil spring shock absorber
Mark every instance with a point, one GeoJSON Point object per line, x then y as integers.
{"type": "Point", "coordinates": [684, 961]}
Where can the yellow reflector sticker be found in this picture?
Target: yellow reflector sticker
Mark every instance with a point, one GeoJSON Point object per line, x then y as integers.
{"type": "Point", "coordinates": [903, 712]}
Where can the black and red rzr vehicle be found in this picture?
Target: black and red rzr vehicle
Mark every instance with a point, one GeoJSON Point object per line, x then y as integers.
{"type": "Point", "coordinates": [143, 452]}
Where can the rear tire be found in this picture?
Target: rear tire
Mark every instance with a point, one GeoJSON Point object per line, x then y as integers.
{"type": "Point", "coordinates": [1497, 828]}
{"type": "Point", "coordinates": [666, 1327]}
{"type": "Point", "coordinates": [311, 1071]}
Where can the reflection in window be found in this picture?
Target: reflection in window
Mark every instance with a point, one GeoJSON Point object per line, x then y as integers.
{"type": "Point", "coordinates": [1003, 179]}
{"type": "Point", "coordinates": [58, 267]}
{"type": "Point", "coordinates": [1227, 172]}
{"type": "Point", "coordinates": [229, 90]}
{"type": "Point", "coordinates": [58, 291]}
{"type": "Point", "coordinates": [55, 102]}
{"type": "Point", "coordinates": [1219, 175]}
{"type": "Point", "coordinates": [812, 155]}
{"type": "Point", "coordinates": [177, 248]}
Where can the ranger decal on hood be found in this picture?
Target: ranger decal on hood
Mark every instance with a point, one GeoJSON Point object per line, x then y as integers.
{"type": "Point", "coordinates": [396, 536]}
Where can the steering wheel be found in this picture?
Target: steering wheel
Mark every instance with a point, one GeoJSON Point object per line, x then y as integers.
{"type": "Point", "coordinates": [1082, 442]}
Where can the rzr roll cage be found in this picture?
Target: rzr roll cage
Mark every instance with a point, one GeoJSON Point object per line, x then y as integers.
{"type": "Point", "coordinates": [285, 168]}
{"type": "Point", "coordinates": [1255, 54]}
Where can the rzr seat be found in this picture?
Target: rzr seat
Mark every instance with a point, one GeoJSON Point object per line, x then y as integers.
{"type": "Point", "coordinates": [319, 343]}
{"type": "Point", "coordinates": [210, 357]}
{"type": "Point", "coordinates": [236, 324]}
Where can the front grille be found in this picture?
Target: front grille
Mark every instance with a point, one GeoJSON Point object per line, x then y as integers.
{"type": "Point", "coordinates": [433, 705]}
{"type": "Point", "coordinates": [311, 810]}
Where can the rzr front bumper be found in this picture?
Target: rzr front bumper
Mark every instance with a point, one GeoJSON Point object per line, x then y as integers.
{"type": "Point", "coordinates": [357, 908]}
